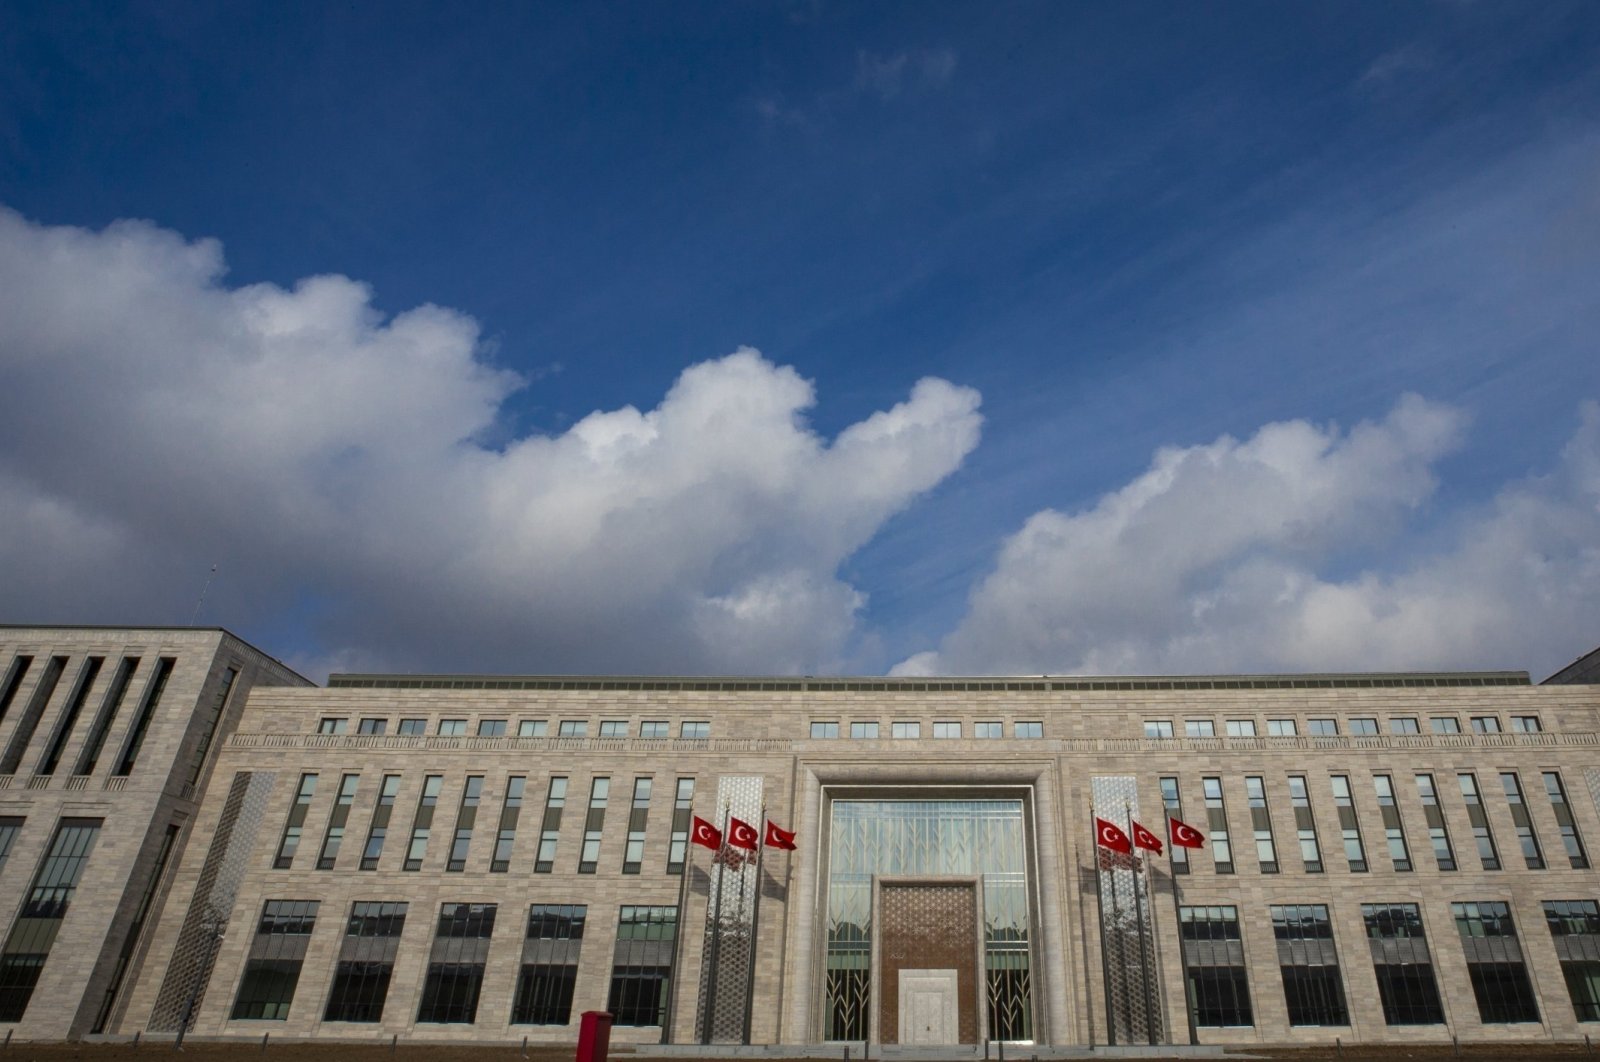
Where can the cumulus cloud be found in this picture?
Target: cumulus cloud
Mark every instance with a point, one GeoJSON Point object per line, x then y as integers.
{"type": "Point", "coordinates": [336, 463]}
{"type": "Point", "coordinates": [1246, 556]}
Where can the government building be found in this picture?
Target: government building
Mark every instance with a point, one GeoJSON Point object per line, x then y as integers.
{"type": "Point", "coordinates": [193, 837]}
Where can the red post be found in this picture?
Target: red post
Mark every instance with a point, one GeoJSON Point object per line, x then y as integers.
{"type": "Point", "coordinates": [594, 1036]}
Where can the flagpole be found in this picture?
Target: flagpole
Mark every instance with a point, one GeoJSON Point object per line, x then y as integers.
{"type": "Point", "coordinates": [677, 936]}
{"type": "Point", "coordinates": [1100, 904]}
{"type": "Point", "coordinates": [716, 934]}
{"type": "Point", "coordinates": [1116, 917]}
{"type": "Point", "coordinates": [1138, 916]}
{"type": "Point", "coordinates": [755, 927]}
{"type": "Point", "coordinates": [1183, 962]}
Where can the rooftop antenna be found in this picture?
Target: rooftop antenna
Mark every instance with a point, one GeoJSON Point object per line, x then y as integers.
{"type": "Point", "coordinates": [202, 598]}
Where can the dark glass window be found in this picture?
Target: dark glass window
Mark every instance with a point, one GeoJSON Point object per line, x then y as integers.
{"type": "Point", "coordinates": [1499, 976]}
{"type": "Point", "coordinates": [450, 993]}
{"type": "Point", "coordinates": [1575, 925]}
{"type": "Point", "coordinates": [641, 965]}
{"type": "Point", "coordinates": [1218, 988]}
{"type": "Point", "coordinates": [33, 934]}
{"type": "Point", "coordinates": [270, 977]}
{"type": "Point", "coordinates": [1312, 986]}
{"type": "Point", "coordinates": [361, 982]}
{"type": "Point", "coordinates": [544, 986]}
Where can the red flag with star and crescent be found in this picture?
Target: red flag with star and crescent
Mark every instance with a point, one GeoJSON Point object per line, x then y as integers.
{"type": "Point", "coordinates": [1185, 836]}
{"type": "Point", "coordinates": [1110, 835]}
{"type": "Point", "coordinates": [777, 838]}
{"type": "Point", "coordinates": [742, 835]}
{"type": "Point", "coordinates": [1143, 838]}
{"type": "Point", "coordinates": [704, 834]}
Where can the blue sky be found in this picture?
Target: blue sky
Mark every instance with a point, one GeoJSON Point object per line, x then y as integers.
{"type": "Point", "coordinates": [1239, 235]}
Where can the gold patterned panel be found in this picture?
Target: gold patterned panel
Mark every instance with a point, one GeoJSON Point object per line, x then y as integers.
{"type": "Point", "coordinates": [928, 927]}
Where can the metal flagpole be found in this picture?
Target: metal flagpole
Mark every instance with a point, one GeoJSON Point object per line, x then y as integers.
{"type": "Point", "coordinates": [1138, 916]}
{"type": "Point", "coordinates": [755, 925]}
{"type": "Point", "coordinates": [1116, 919]}
{"type": "Point", "coordinates": [716, 933]}
{"type": "Point", "coordinates": [677, 937]}
{"type": "Point", "coordinates": [1100, 905]}
{"type": "Point", "coordinates": [1183, 961]}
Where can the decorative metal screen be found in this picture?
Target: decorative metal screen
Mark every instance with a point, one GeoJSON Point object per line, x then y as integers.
{"type": "Point", "coordinates": [1125, 922]}
{"type": "Point", "coordinates": [212, 906]}
{"type": "Point", "coordinates": [730, 921]}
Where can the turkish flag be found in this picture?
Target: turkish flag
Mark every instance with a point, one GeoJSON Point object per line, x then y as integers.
{"type": "Point", "coordinates": [1143, 838]}
{"type": "Point", "coordinates": [741, 834]}
{"type": "Point", "coordinates": [1185, 836]}
{"type": "Point", "coordinates": [1109, 835]}
{"type": "Point", "coordinates": [777, 838]}
{"type": "Point", "coordinates": [705, 834]}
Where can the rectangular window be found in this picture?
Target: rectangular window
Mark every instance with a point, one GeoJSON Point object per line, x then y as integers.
{"type": "Point", "coordinates": [549, 965]}
{"type": "Point", "coordinates": [109, 707]}
{"type": "Point", "coordinates": [1199, 728]}
{"type": "Point", "coordinates": [573, 728]}
{"type": "Point", "coordinates": [491, 728]}
{"type": "Point", "coordinates": [1363, 726]}
{"type": "Point", "coordinates": [905, 730]}
{"type": "Point", "coordinates": [296, 822]}
{"type": "Point", "coordinates": [1217, 819]}
{"type": "Point", "coordinates": [824, 731]}
{"type": "Point", "coordinates": [946, 730]}
{"type": "Point", "coordinates": [1406, 985]}
{"type": "Point", "coordinates": [1305, 824]}
{"type": "Point", "coordinates": [33, 934]}
{"type": "Point", "coordinates": [15, 673]}
{"type": "Point", "coordinates": [10, 826]}
{"type": "Point", "coordinates": [422, 822]}
{"type": "Point", "coordinates": [655, 728]}
{"type": "Point", "coordinates": [506, 836]}
{"type": "Point", "coordinates": [1255, 790]}
{"type": "Point", "coordinates": [1172, 804]}
{"type": "Point", "coordinates": [466, 819]}
{"type": "Point", "coordinates": [1322, 727]}
{"type": "Point", "coordinates": [1523, 822]}
{"type": "Point", "coordinates": [865, 731]}
{"type": "Point", "coordinates": [1485, 724]}
{"type": "Point", "coordinates": [1404, 724]}
{"type": "Point", "coordinates": [273, 970]}
{"type": "Point", "coordinates": [69, 718]}
{"type": "Point", "coordinates": [1312, 986]}
{"type": "Point", "coordinates": [641, 964]}
{"type": "Point", "coordinates": [1028, 729]}
{"type": "Point", "coordinates": [455, 977]}
{"type": "Point", "coordinates": [1355, 852]}
{"type": "Point", "coordinates": [1575, 926]}
{"type": "Point", "coordinates": [1444, 724]}
{"type": "Point", "coordinates": [373, 727]}
{"type": "Point", "coordinates": [1158, 728]}
{"type": "Point", "coordinates": [147, 711]}
{"type": "Point", "coordinates": [337, 820]}
{"type": "Point", "coordinates": [988, 730]}
{"type": "Point", "coordinates": [1494, 963]}
{"type": "Point", "coordinates": [533, 728]}
{"type": "Point", "coordinates": [333, 725]}
{"type": "Point", "coordinates": [1525, 724]}
{"type": "Point", "coordinates": [550, 827]}
{"type": "Point", "coordinates": [593, 825]}
{"type": "Point", "coordinates": [1219, 991]}
{"type": "Point", "coordinates": [361, 981]}
{"type": "Point", "coordinates": [1478, 815]}
{"type": "Point", "coordinates": [1282, 728]}
{"type": "Point", "coordinates": [613, 728]}
{"type": "Point", "coordinates": [412, 727]}
{"type": "Point", "coordinates": [638, 817]}
{"type": "Point", "coordinates": [1568, 825]}
{"type": "Point", "coordinates": [1240, 728]}
{"type": "Point", "coordinates": [378, 832]}
{"type": "Point", "coordinates": [678, 846]}
{"type": "Point", "coordinates": [452, 727]}
{"type": "Point", "coordinates": [1438, 832]}
{"type": "Point", "coordinates": [1393, 829]}
{"type": "Point", "coordinates": [31, 714]}
{"type": "Point", "coordinates": [695, 730]}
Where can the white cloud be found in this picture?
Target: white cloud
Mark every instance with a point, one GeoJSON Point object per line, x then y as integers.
{"type": "Point", "coordinates": [1237, 556]}
{"type": "Point", "coordinates": [155, 421]}
{"type": "Point", "coordinates": [904, 72]}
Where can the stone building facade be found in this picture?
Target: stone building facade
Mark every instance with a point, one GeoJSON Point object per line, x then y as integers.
{"type": "Point", "coordinates": [1389, 858]}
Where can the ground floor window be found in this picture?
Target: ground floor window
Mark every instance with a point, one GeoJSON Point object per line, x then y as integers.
{"type": "Point", "coordinates": [358, 992]}
{"type": "Point", "coordinates": [544, 995]}
{"type": "Point", "coordinates": [450, 994]}
{"type": "Point", "coordinates": [638, 994]}
{"type": "Point", "coordinates": [1409, 994]}
{"type": "Point", "coordinates": [1221, 996]}
{"type": "Point", "coordinates": [1315, 995]}
{"type": "Point", "coordinates": [267, 990]}
{"type": "Point", "coordinates": [1583, 985]}
{"type": "Point", "coordinates": [1504, 993]}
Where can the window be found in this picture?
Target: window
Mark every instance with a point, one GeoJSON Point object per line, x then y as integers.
{"type": "Point", "coordinates": [505, 837]}
{"type": "Point", "coordinates": [544, 987]}
{"type": "Point", "coordinates": [654, 728]}
{"type": "Point", "coordinates": [682, 809]}
{"type": "Point", "coordinates": [1240, 728]}
{"type": "Point", "coordinates": [1406, 985]}
{"type": "Point", "coordinates": [1438, 832]}
{"type": "Point", "coordinates": [905, 730]}
{"type": "Point", "coordinates": [1217, 819]}
{"type": "Point", "coordinates": [573, 728]}
{"type": "Point", "coordinates": [822, 731]}
{"type": "Point", "coordinates": [466, 818]}
{"type": "Point", "coordinates": [95, 744]}
{"type": "Point", "coordinates": [1575, 925]}
{"type": "Point", "coordinates": [1322, 727]}
{"type": "Point", "coordinates": [864, 730]}
{"type": "Point", "coordinates": [1494, 963]}
{"type": "Point", "coordinates": [1032, 729]}
{"type": "Point", "coordinates": [23, 737]}
{"type": "Point", "coordinates": [360, 983]}
{"type": "Point", "coordinates": [695, 730]}
{"type": "Point", "coordinates": [1305, 824]}
{"type": "Point", "coordinates": [1312, 986]}
{"type": "Point", "coordinates": [1349, 827]}
{"type": "Point", "coordinates": [1255, 791]}
{"type": "Point", "coordinates": [373, 727]}
{"type": "Point", "coordinates": [32, 936]}
{"type": "Point", "coordinates": [1444, 724]}
{"type": "Point", "coordinates": [1564, 820]}
{"type": "Point", "coordinates": [1479, 817]}
{"type": "Point", "coordinates": [1172, 803]}
{"type": "Point", "coordinates": [638, 817]}
{"type": "Point", "coordinates": [452, 727]}
{"type": "Point", "coordinates": [1404, 724]}
{"type": "Point", "coordinates": [450, 992]}
{"type": "Point", "coordinates": [1199, 728]}
{"type": "Point", "coordinates": [613, 728]}
{"type": "Point", "coordinates": [946, 730]}
{"type": "Point", "coordinates": [10, 826]}
{"type": "Point", "coordinates": [640, 966]}
{"type": "Point", "coordinates": [988, 731]}
{"type": "Point", "coordinates": [141, 722]}
{"type": "Point", "coordinates": [1525, 724]}
{"type": "Point", "coordinates": [1523, 822]}
{"type": "Point", "coordinates": [378, 832]}
{"type": "Point", "coordinates": [296, 822]}
{"type": "Point", "coordinates": [270, 976]}
{"type": "Point", "coordinates": [333, 726]}
{"type": "Point", "coordinates": [1158, 728]}
{"type": "Point", "coordinates": [334, 838]}
{"type": "Point", "coordinates": [1485, 724]}
{"type": "Point", "coordinates": [1393, 830]}
{"type": "Point", "coordinates": [1282, 728]}
{"type": "Point", "coordinates": [412, 727]}
{"type": "Point", "coordinates": [1218, 988]}
{"type": "Point", "coordinates": [533, 728]}
{"type": "Point", "coordinates": [550, 828]}
{"type": "Point", "coordinates": [422, 822]}
{"type": "Point", "coordinates": [589, 855]}
{"type": "Point", "coordinates": [491, 728]}
{"type": "Point", "coordinates": [1363, 726]}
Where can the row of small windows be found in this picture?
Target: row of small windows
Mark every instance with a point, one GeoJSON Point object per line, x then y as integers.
{"type": "Point", "coordinates": [1313, 987]}
{"type": "Point", "coordinates": [1346, 830]}
{"type": "Point", "coordinates": [453, 982]}
{"type": "Point", "coordinates": [831, 728]}
{"type": "Point", "coordinates": [1329, 727]}
{"type": "Point", "coordinates": [692, 729]}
